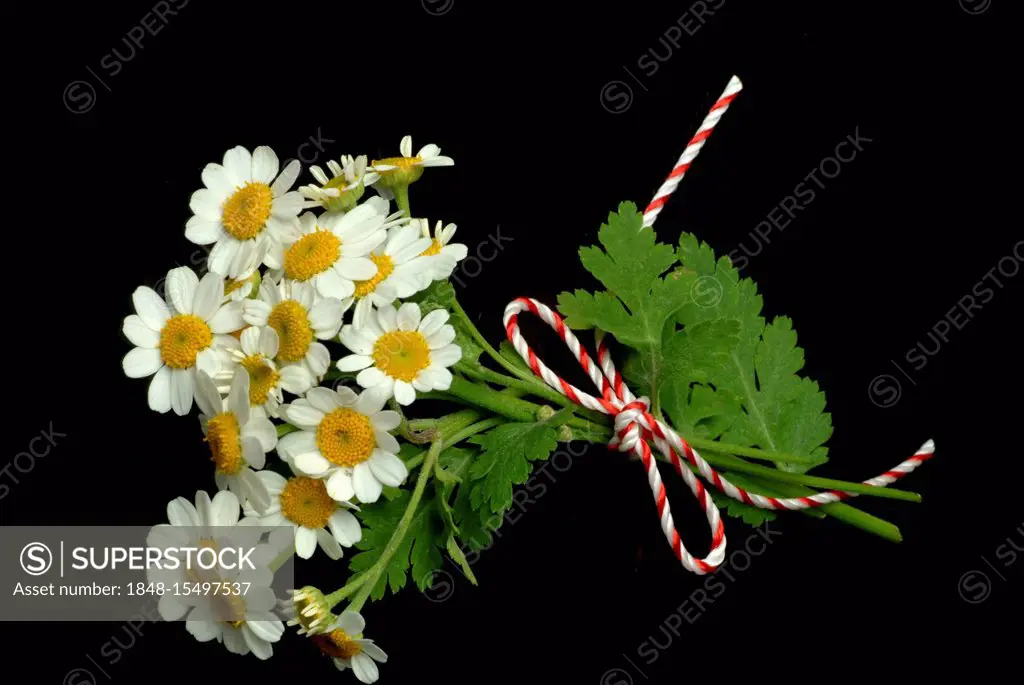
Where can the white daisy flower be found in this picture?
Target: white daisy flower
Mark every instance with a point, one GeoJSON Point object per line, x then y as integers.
{"type": "Point", "coordinates": [243, 206]}
{"type": "Point", "coordinates": [344, 643]}
{"type": "Point", "coordinates": [341, 190]}
{"type": "Point", "coordinates": [255, 351]}
{"type": "Point", "coordinates": [446, 254]}
{"type": "Point", "coordinates": [207, 523]}
{"type": "Point", "coordinates": [399, 353]}
{"type": "Point", "coordinates": [330, 251]}
{"type": "Point", "coordinates": [344, 440]}
{"type": "Point", "coordinates": [399, 171]}
{"type": "Point", "coordinates": [299, 318]}
{"type": "Point", "coordinates": [239, 438]}
{"type": "Point", "coordinates": [303, 503]}
{"type": "Point", "coordinates": [401, 272]}
{"type": "Point", "coordinates": [175, 337]}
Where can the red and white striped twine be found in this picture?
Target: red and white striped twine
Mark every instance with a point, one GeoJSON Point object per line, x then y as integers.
{"type": "Point", "coordinates": [634, 426]}
{"type": "Point", "coordinates": [732, 89]}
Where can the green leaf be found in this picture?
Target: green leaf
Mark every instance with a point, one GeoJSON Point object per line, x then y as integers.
{"type": "Point", "coordinates": [505, 461]}
{"type": "Point", "coordinates": [506, 350]}
{"type": "Point", "coordinates": [419, 552]}
{"type": "Point", "coordinates": [639, 300]}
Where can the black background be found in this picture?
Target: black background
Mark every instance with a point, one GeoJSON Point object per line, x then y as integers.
{"type": "Point", "coordinates": [519, 95]}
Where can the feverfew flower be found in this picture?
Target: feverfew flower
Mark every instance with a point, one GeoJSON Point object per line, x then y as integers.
{"type": "Point", "coordinates": [243, 207]}
{"type": "Point", "coordinates": [298, 316]}
{"type": "Point", "coordinates": [344, 440]}
{"type": "Point", "coordinates": [446, 254]}
{"type": "Point", "coordinates": [330, 251]}
{"type": "Point", "coordinates": [239, 439]}
{"type": "Point", "coordinates": [397, 353]}
{"type": "Point", "coordinates": [401, 272]}
{"type": "Point", "coordinates": [344, 642]}
{"type": "Point", "coordinates": [303, 503]}
{"type": "Point", "coordinates": [340, 191]}
{"type": "Point", "coordinates": [255, 351]}
{"type": "Point", "coordinates": [175, 337]}
{"type": "Point", "coordinates": [401, 171]}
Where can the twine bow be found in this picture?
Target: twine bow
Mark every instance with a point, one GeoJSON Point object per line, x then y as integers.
{"type": "Point", "coordinates": [635, 426]}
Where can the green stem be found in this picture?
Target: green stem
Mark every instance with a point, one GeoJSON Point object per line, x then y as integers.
{"type": "Point", "coordinates": [400, 530]}
{"type": "Point", "coordinates": [732, 463]}
{"type": "Point", "coordinates": [402, 199]}
{"type": "Point", "coordinates": [845, 513]}
{"type": "Point", "coordinates": [342, 593]}
{"type": "Point", "coordinates": [480, 340]}
{"type": "Point", "coordinates": [455, 437]}
{"type": "Point", "coordinates": [538, 389]}
{"type": "Point", "coordinates": [750, 452]}
{"type": "Point", "coordinates": [486, 398]}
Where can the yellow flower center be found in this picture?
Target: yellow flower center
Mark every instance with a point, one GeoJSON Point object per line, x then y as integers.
{"type": "Point", "coordinates": [263, 378]}
{"type": "Point", "coordinates": [246, 212]}
{"type": "Point", "coordinates": [435, 248]}
{"type": "Point", "coordinates": [305, 501]}
{"type": "Point", "coordinates": [401, 354]}
{"type": "Point", "coordinates": [345, 437]}
{"type": "Point", "coordinates": [225, 443]}
{"type": "Point", "coordinates": [311, 254]}
{"type": "Point", "coordinates": [291, 322]}
{"type": "Point", "coordinates": [384, 268]}
{"type": "Point", "coordinates": [182, 338]}
{"type": "Point", "coordinates": [337, 644]}
{"type": "Point", "coordinates": [403, 163]}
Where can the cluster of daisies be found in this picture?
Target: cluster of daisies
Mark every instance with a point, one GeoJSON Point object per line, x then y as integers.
{"type": "Point", "coordinates": [289, 273]}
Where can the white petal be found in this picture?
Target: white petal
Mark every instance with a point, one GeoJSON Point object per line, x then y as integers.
{"type": "Point", "coordinates": [328, 544]}
{"type": "Point", "coordinates": [352, 622]}
{"type": "Point", "coordinates": [260, 428]}
{"type": "Point", "coordinates": [295, 379]}
{"type": "Point", "coordinates": [264, 164]}
{"type": "Point", "coordinates": [326, 314]}
{"type": "Point", "coordinates": [141, 362]}
{"type": "Point", "coordinates": [238, 395]}
{"type": "Point", "coordinates": [256, 312]}
{"type": "Point", "coordinates": [405, 147]}
{"type": "Point", "coordinates": [339, 486]}
{"type": "Point", "coordinates": [304, 414]}
{"type": "Point", "coordinates": [365, 669]}
{"type": "Point", "coordinates": [446, 356]}
{"type": "Point", "coordinates": [345, 528]}
{"type": "Point", "coordinates": [409, 316]}
{"type": "Point", "coordinates": [150, 307]}
{"type": "Point", "coordinates": [181, 391]}
{"type": "Point", "coordinates": [436, 378]}
{"type": "Point", "coordinates": [319, 359]}
{"type": "Point", "coordinates": [388, 468]}
{"type": "Point", "coordinates": [353, 362]}
{"type": "Point", "coordinates": [311, 463]}
{"type": "Point", "coordinates": [305, 542]}
{"type": "Point", "coordinates": [203, 631]}
{"type": "Point", "coordinates": [357, 268]}
{"type": "Point", "coordinates": [208, 296]}
{"type": "Point", "coordinates": [370, 402]}
{"type": "Point", "coordinates": [159, 394]}
{"type": "Point", "coordinates": [224, 510]}
{"type": "Point", "coordinates": [366, 485]}
{"type": "Point", "coordinates": [404, 393]}
{"type": "Point", "coordinates": [433, 321]}
{"type": "Point", "coordinates": [138, 333]}
{"type": "Point", "coordinates": [287, 178]}
{"type": "Point", "coordinates": [387, 317]}
{"type": "Point", "coordinates": [444, 336]}
{"type": "Point", "coordinates": [180, 288]}
{"type": "Point", "coordinates": [356, 340]}
{"type": "Point", "coordinates": [386, 420]}
{"type": "Point", "coordinates": [323, 399]}
{"type": "Point", "coordinates": [207, 396]}
{"type": "Point", "coordinates": [331, 284]}
{"type": "Point", "coordinates": [238, 165]}
{"type": "Point", "coordinates": [269, 342]}
{"type": "Point", "coordinates": [260, 648]}
{"type": "Point", "coordinates": [227, 319]}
